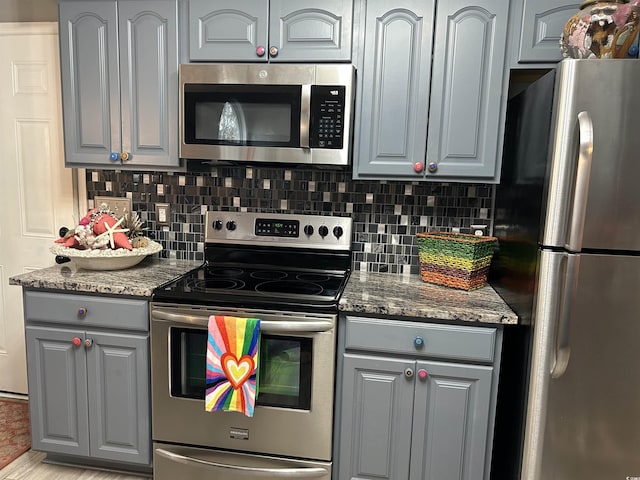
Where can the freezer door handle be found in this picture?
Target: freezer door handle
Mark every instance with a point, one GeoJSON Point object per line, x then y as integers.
{"type": "Point", "coordinates": [563, 347]}
{"type": "Point", "coordinates": [583, 172]}
{"type": "Point", "coordinates": [302, 472]}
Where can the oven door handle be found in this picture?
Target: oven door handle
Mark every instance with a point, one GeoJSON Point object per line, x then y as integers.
{"type": "Point", "coordinates": [304, 472]}
{"type": "Point", "coordinates": [267, 326]}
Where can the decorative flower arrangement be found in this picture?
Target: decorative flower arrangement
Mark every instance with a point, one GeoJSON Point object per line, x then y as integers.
{"type": "Point", "coordinates": [99, 229]}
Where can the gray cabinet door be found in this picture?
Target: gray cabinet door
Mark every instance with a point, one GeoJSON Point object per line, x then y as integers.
{"type": "Point", "coordinates": [149, 81]}
{"type": "Point", "coordinates": [228, 30]}
{"type": "Point", "coordinates": [538, 30]}
{"type": "Point", "coordinates": [57, 391]}
{"type": "Point", "coordinates": [310, 30]}
{"type": "Point", "coordinates": [377, 407]}
{"type": "Point", "coordinates": [451, 421]}
{"type": "Point", "coordinates": [466, 89]}
{"type": "Point", "coordinates": [118, 386]}
{"type": "Point", "coordinates": [393, 88]}
{"type": "Point", "coordinates": [90, 81]}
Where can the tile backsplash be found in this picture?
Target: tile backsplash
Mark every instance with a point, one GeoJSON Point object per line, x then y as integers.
{"type": "Point", "coordinates": [386, 214]}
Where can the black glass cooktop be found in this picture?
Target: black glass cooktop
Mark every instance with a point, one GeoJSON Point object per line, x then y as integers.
{"type": "Point", "coordinates": [261, 278]}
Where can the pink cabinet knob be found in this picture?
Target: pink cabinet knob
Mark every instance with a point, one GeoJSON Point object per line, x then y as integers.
{"type": "Point", "coordinates": [422, 374]}
{"type": "Point", "coordinates": [260, 51]}
{"type": "Point", "coordinates": [76, 342]}
{"type": "Point", "coordinates": [418, 167]}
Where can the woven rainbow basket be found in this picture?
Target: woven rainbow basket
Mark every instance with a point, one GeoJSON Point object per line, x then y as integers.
{"type": "Point", "coordinates": [456, 260]}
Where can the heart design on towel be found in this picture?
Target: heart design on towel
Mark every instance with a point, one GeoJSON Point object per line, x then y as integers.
{"type": "Point", "coordinates": [237, 371]}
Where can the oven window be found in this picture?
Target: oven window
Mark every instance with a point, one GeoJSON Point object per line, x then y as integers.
{"type": "Point", "coordinates": [284, 373]}
{"type": "Point", "coordinates": [253, 115]}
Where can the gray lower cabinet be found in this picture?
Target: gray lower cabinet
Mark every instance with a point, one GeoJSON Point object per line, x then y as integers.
{"type": "Point", "coordinates": [119, 62]}
{"type": "Point", "coordinates": [275, 31]}
{"type": "Point", "coordinates": [536, 27]}
{"type": "Point", "coordinates": [88, 383]}
{"type": "Point", "coordinates": [430, 84]}
{"type": "Point", "coordinates": [412, 404]}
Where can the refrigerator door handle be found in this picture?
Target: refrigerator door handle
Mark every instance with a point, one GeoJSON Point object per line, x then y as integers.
{"type": "Point", "coordinates": [563, 347]}
{"type": "Point", "coordinates": [583, 172]}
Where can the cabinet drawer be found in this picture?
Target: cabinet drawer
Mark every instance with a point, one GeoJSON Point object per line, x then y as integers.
{"type": "Point", "coordinates": [438, 341]}
{"type": "Point", "coordinates": [86, 310]}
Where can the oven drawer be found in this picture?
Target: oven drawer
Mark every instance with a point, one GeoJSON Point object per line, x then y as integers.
{"type": "Point", "coordinates": [171, 462]}
{"type": "Point", "coordinates": [86, 310]}
{"type": "Point", "coordinates": [421, 339]}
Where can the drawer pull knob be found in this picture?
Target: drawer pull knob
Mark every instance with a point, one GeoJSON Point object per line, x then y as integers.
{"type": "Point", "coordinates": [408, 373]}
{"type": "Point", "coordinates": [76, 341]}
{"type": "Point", "coordinates": [418, 342]}
{"type": "Point", "coordinates": [88, 342]}
{"type": "Point", "coordinates": [422, 374]}
{"type": "Point", "coordinates": [82, 311]}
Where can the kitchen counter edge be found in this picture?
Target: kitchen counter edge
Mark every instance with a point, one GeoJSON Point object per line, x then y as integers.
{"type": "Point", "coordinates": [408, 296]}
{"type": "Point", "coordinates": [137, 281]}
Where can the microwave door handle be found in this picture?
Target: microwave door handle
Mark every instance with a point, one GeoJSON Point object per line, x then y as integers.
{"type": "Point", "coordinates": [305, 115]}
{"type": "Point", "coordinates": [301, 472]}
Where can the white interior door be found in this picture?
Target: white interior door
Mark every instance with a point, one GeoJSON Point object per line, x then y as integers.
{"type": "Point", "coordinates": [36, 191]}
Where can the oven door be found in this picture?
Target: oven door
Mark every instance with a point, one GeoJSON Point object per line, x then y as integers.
{"type": "Point", "coordinates": [294, 406]}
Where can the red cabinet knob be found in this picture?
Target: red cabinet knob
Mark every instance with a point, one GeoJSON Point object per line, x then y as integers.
{"type": "Point", "coordinates": [422, 374]}
{"type": "Point", "coordinates": [76, 341]}
{"type": "Point", "coordinates": [418, 167]}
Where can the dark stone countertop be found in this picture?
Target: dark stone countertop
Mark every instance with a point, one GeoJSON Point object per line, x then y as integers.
{"type": "Point", "coordinates": [366, 293]}
{"type": "Point", "coordinates": [408, 296]}
{"type": "Point", "coordinates": [137, 281]}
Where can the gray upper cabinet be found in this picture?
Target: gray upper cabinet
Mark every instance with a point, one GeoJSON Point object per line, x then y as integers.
{"type": "Point", "coordinates": [393, 88]}
{"type": "Point", "coordinates": [119, 62]}
{"type": "Point", "coordinates": [536, 29]}
{"type": "Point", "coordinates": [276, 31]}
{"type": "Point", "coordinates": [88, 385]}
{"type": "Point", "coordinates": [430, 110]}
{"type": "Point", "coordinates": [409, 406]}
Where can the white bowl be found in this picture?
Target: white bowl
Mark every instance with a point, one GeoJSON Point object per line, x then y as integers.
{"type": "Point", "coordinates": [107, 259]}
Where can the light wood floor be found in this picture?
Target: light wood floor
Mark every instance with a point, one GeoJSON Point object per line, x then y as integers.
{"type": "Point", "coordinates": [29, 466]}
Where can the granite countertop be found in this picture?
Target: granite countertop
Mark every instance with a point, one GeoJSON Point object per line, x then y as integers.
{"type": "Point", "coordinates": [409, 296]}
{"type": "Point", "coordinates": [137, 281]}
{"type": "Point", "coordinates": [367, 293]}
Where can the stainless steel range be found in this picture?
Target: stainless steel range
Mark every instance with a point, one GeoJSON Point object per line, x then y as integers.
{"type": "Point", "coordinates": [289, 271]}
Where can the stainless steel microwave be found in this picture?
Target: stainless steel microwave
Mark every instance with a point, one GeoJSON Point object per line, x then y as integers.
{"type": "Point", "coordinates": [293, 113]}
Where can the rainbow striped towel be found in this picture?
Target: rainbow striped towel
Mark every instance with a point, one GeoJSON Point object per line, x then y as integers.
{"type": "Point", "coordinates": [232, 364]}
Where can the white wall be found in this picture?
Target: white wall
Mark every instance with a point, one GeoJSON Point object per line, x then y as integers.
{"type": "Point", "coordinates": [28, 11]}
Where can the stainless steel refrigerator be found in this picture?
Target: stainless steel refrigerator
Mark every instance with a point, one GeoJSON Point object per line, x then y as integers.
{"type": "Point", "coordinates": [567, 217]}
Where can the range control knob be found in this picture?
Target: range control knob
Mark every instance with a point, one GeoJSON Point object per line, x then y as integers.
{"type": "Point", "coordinates": [308, 230]}
{"type": "Point", "coordinates": [217, 224]}
{"type": "Point", "coordinates": [338, 231]}
{"type": "Point", "coordinates": [323, 231]}
{"type": "Point", "coordinates": [231, 225]}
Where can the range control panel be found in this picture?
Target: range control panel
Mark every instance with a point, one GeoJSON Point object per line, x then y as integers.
{"type": "Point", "coordinates": [279, 229]}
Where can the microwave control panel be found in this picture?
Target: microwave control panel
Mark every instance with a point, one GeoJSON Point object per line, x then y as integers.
{"type": "Point", "coordinates": [327, 116]}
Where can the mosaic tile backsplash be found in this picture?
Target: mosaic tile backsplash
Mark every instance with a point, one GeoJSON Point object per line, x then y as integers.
{"type": "Point", "coordinates": [386, 214]}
